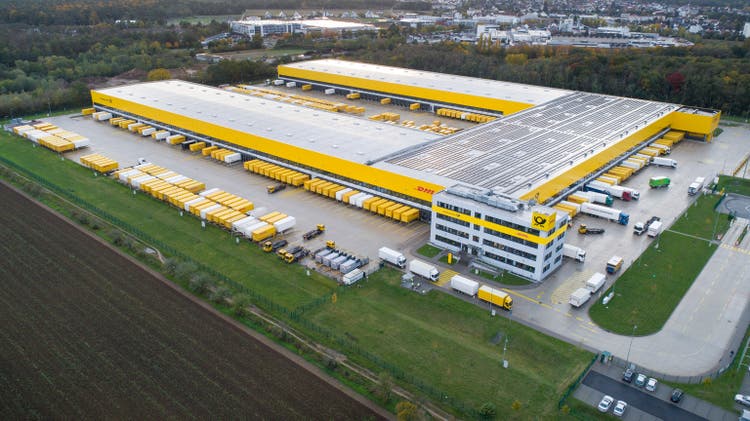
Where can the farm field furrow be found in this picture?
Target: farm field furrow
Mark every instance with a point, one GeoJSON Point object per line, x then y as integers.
{"type": "Point", "coordinates": [88, 334]}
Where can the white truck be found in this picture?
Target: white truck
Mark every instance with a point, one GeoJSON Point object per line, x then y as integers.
{"type": "Point", "coordinates": [465, 285]}
{"type": "Point", "coordinates": [424, 270]}
{"type": "Point", "coordinates": [664, 162]}
{"type": "Point", "coordinates": [596, 282]}
{"type": "Point", "coordinates": [696, 186]}
{"type": "Point", "coordinates": [654, 229]}
{"type": "Point", "coordinates": [574, 252]}
{"type": "Point", "coordinates": [352, 277]}
{"type": "Point", "coordinates": [604, 212]}
{"type": "Point", "coordinates": [579, 297]}
{"type": "Point", "coordinates": [392, 256]}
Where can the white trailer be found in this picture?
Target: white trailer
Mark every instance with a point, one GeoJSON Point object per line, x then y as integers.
{"type": "Point", "coordinates": [596, 282]}
{"type": "Point", "coordinates": [148, 131]}
{"type": "Point", "coordinates": [285, 224]}
{"type": "Point", "coordinates": [666, 150]}
{"type": "Point", "coordinates": [604, 212]}
{"type": "Point", "coordinates": [352, 276]}
{"type": "Point", "coordinates": [330, 91]}
{"type": "Point", "coordinates": [103, 116]}
{"type": "Point", "coordinates": [162, 135]}
{"type": "Point", "coordinates": [424, 270]}
{"type": "Point", "coordinates": [209, 209]}
{"type": "Point", "coordinates": [353, 199]}
{"type": "Point", "coordinates": [392, 256]}
{"type": "Point", "coordinates": [574, 252]}
{"type": "Point", "coordinates": [209, 191]}
{"type": "Point", "coordinates": [232, 158]}
{"type": "Point", "coordinates": [579, 297]}
{"type": "Point", "coordinates": [664, 162]}
{"type": "Point", "coordinates": [654, 229]}
{"type": "Point", "coordinates": [340, 194]}
{"type": "Point", "coordinates": [696, 186]}
{"type": "Point", "coordinates": [465, 285]}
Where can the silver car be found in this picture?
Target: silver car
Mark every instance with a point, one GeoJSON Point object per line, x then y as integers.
{"type": "Point", "coordinates": [620, 408]}
{"type": "Point", "coordinates": [605, 403]}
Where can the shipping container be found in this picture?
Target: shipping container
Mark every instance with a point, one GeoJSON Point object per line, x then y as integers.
{"type": "Point", "coordinates": [263, 233]}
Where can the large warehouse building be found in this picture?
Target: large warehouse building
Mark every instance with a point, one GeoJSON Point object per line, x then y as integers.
{"type": "Point", "coordinates": [486, 191]}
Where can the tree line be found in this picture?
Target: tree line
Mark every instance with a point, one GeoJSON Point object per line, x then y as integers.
{"type": "Point", "coordinates": [713, 75]}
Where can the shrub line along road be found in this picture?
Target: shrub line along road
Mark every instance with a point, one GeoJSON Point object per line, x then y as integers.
{"type": "Point", "coordinates": [153, 350]}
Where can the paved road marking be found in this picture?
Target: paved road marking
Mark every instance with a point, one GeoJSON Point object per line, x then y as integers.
{"type": "Point", "coordinates": [562, 293]}
{"type": "Point", "coordinates": [445, 277]}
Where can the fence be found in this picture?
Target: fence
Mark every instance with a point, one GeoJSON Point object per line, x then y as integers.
{"type": "Point", "coordinates": [575, 384]}
{"type": "Point", "coordinates": [343, 343]}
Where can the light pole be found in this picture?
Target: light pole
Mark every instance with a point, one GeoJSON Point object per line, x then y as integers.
{"type": "Point", "coordinates": [505, 346]}
{"type": "Point", "coordinates": [632, 336]}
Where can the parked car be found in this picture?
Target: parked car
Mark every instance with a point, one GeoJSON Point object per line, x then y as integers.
{"type": "Point", "coordinates": [740, 399]}
{"type": "Point", "coordinates": [640, 380]}
{"type": "Point", "coordinates": [676, 395]}
{"type": "Point", "coordinates": [620, 408]}
{"type": "Point", "coordinates": [651, 385]}
{"type": "Point", "coordinates": [627, 376]}
{"type": "Point", "coordinates": [606, 402]}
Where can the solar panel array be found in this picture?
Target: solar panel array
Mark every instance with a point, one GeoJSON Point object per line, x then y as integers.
{"type": "Point", "coordinates": [513, 154]}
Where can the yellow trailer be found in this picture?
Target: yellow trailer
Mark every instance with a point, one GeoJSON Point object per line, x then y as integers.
{"type": "Point", "coordinates": [665, 141]}
{"type": "Point", "coordinates": [325, 190]}
{"type": "Point", "coordinates": [124, 123]}
{"type": "Point", "coordinates": [116, 120]}
{"type": "Point", "coordinates": [675, 135]}
{"type": "Point", "coordinates": [276, 218]}
{"type": "Point", "coordinates": [650, 152]}
{"type": "Point", "coordinates": [195, 206]}
{"type": "Point", "coordinates": [210, 215]}
{"type": "Point", "coordinates": [577, 199]}
{"type": "Point", "coordinates": [563, 209]}
{"type": "Point", "coordinates": [207, 150]}
{"type": "Point", "coordinates": [410, 215]}
{"type": "Point", "coordinates": [374, 205]}
{"type": "Point", "coordinates": [319, 188]}
{"type": "Point", "coordinates": [197, 146]}
{"type": "Point", "coordinates": [262, 233]}
{"type": "Point", "coordinates": [366, 204]}
{"type": "Point", "coordinates": [197, 209]}
{"type": "Point", "coordinates": [267, 216]}
{"type": "Point", "coordinates": [383, 206]}
{"type": "Point", "coordinates": [415, 106]}
{"type": "Point", "coordinates": [615, 177]}
{"type": "Point", "coordinates": [133, 127]}
{"type": "Point", "coordinates": [389, 210]}
{"type": "Point", "coordinates": [228, 221]}
{"type": "Point", "coordinates": [215, 194]}
{"type": "Point", "coordinates": [245, 206]}
{"type": "Point", "coordinates": [300, 179]}
{"type": "Point", "coordinates": [398, 211]}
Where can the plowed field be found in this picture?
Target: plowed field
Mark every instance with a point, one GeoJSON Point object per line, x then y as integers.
{"type": "Point", "coordinates": [85, 333]}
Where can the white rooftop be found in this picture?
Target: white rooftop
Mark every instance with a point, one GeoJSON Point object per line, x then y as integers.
{"type": "Point", "coordinates": [324, 23]}
{"type": "Point", "coordinates": [355, 139]}
{"type": "Point", "coordinates": [494, 89]}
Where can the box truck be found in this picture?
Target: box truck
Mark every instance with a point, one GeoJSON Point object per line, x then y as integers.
{"type": "Point", "coordinates": [392, 257]}
{"type": "Point", "coordinates": [574, 252]}
{"type": "Point", "coordinates": [614, 264]}
{"type": "Point", "coordinates": [659, 182]}
{"type": "Point", "coordinates": [465, 285]}
{"type": "Point", "coordinates": [596, 282]}
{"type": "Point", "coordinates": [664, 162]}
{"type": "Point", "coordinates": [696, 186]}
{"type": "Point", "coordinates": [424, 270]}
{"type": "Point", "coordinates": [579, 297]}
{"type": "Point", "coordinates": [611, 214]}
{"type": "Point", "coordinates": [654, 229]}
{"type": "Point", "coordinates": [495, 296]}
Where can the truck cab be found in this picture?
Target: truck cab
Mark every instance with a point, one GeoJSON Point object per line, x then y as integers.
{"type": "Point", "coordinates": [639, 228]}
{"type": "Point", "coordinates": [614, 264]}
{"type": "Point", "coordinates": [696, 186]}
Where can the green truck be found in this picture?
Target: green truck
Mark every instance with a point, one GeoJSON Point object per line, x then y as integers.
{"type": "Point", "coordinates": [658, 182]}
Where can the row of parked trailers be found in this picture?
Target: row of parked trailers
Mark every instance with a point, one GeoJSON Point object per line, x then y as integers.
{"type": "Point", "coordinates": [99, 163]}
{"type": "Point", "coordinates": [603, 188]}
{"type": "Point", "coordinates": [463, 115]}
{"type": "Point", "coordinates": [339, 260]}
{"type": "Point", "coordinates": [372, 203]}
{"type": "Point", "coordinates": [276, 172]}
{"type": "Point", "coordinates": [52, 137]}
{"type": "Point", "coordinates": [214, 205]}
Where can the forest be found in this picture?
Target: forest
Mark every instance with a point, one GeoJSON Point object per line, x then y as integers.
{"type": "Point", "coordinates": [711, 75]}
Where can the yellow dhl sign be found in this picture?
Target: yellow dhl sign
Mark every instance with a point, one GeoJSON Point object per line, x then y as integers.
{"type": "Point", "coordinates": [542, 221]}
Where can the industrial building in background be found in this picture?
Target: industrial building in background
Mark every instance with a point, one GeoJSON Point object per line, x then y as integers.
{"type": "Point", "coordinates": [487, 191]}
{"type": "Point", "coordinates": [252, 26]}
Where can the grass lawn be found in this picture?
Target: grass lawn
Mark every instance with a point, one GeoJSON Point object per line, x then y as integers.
{"type": "Point", "coordinates": [447, 343]}
{"type": "Point", "coordinates": [245, 263]}
{"type": "Point", "coordinates": [648, 292]}
{"type": "Point", "coordinates": [582, 411]}
{"type": "Point", "coordinates": [428, 250]}
{"type": "Point", "coordinates": [734, 185]}
{"type": "Point", "coordinates": [444, 259]}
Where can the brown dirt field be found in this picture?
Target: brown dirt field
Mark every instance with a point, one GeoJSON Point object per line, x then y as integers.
{"type": "Point", "coordinates": [85, 333]}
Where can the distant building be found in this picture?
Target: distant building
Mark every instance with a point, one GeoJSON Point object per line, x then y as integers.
{"type": "Point", "coordinates": [746, 30]}
{"type": "Point", "coordinates": [265, 27]}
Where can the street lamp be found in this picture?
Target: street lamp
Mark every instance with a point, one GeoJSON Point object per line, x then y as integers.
{"type": "Point", "coordinates": [632, 336]}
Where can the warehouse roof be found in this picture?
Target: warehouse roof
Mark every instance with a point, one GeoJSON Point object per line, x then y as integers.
{"type": "Point", "coordinates": [515, 154]}
{"type": "Point", "coordinates": [340, 135]}
{"type": "Point", "coordinates": [528, 94]}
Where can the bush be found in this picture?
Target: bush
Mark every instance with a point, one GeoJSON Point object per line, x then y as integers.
{"type": "Point", "coordinates": [220, 295]}
{"type": "Point", "coordinates": [199, 283]}
{"type": "Point", "coordinates": [488, 411]}
{"type": "Point", "coordinates": [170, 265]}
{"type": "Point", "coordinates": [406, 411]}
{"type": "Point", "coordinates": [240, 305]}
{"type": "Point", "coordinates": [116, 236]}
{"type": "Point", "coordinates": [184, 270]}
